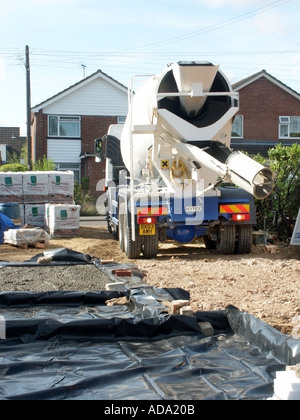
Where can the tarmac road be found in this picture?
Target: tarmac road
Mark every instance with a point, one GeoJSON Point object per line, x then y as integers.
{"type": "Point", "coordinates": [92, 221]}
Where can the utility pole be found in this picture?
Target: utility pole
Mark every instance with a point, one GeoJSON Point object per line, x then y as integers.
{"type": "Point", "coordinates": [28, 104]}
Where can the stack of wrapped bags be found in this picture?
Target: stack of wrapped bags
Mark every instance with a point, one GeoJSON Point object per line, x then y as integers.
{"type": "Point", "coordinates": [46, 200]}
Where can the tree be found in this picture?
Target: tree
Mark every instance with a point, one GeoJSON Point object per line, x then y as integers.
{"type": "Point", "coordinates": [279, 211]}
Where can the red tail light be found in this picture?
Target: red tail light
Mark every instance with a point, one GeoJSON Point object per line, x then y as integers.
{"type": "Point", "coordinates": [241, 217]}
{"type": "Point", "coordinates": [146, 220]}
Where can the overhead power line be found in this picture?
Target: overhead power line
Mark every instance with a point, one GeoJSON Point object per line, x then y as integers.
{"type": "Point", "coordinates": [64, 57]}
{"type": "Point", "coordinates": [149, 56]}
{"type": "Point", "coordinates": [213, 27]}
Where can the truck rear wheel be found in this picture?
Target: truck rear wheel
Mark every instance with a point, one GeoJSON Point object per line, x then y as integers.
{"type": "Point", "coordinates": [132, 248]}
{"type": "Point", "coordinates": [226, 239]}
{"type": "Point", "coordinates": [150, 247]}
{"type": "Point", "coordinates": [244, 239]}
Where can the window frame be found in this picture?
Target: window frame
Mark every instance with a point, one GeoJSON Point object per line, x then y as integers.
{"type": "Point", "coordinates": [242, 127]}
{"type": "Point", "coordinates": [73, 167]}
{"type": "Point", "coordinates": [288, 125]}
{"type": "Point", "coordinates": [61, 119]}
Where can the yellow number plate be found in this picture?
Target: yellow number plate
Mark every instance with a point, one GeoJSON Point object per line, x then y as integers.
{"type": "Point", "coordinates": [147, 230]}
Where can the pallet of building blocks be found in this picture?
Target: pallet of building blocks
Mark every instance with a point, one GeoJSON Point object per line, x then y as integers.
{"type": "Point", "coordinates": [22, 237]}
{"type": "Point", "coordinates": [65, 233]}
{"type": "Point", "coordinates": [35, 215]}
{"type": "Point", "coordinates": [62, 220]}
{"type": "Point", "coordinates": [11, 187]}
{"type": "Point", "coordinates": [36, 187]}
{"type": "Point", "coordinates": [61, 187]}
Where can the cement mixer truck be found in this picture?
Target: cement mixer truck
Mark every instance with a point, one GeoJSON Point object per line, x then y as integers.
{"type": "Point", "coordinates": [170, 172]}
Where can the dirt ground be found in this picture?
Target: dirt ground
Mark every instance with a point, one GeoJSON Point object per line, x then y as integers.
{"type": "Point", "coordinates": [263, 284]}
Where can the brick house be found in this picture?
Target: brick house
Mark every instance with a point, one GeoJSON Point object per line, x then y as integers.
{"type": "Point", "coordinates": [65, 126]}
{"type": "Point", "coordinates": [269, 114]}
{"type": "Point", "coordinates": [10, 143]}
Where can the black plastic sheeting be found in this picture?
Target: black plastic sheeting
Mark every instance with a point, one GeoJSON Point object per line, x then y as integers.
{"type": "Point", "coordinates": [60, 256]}
{"type": "Point", "coordinates": [73, 346]}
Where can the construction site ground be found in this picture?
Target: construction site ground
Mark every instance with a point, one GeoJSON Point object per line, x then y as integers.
{"type": "Point", "coordinates": [264, 284]}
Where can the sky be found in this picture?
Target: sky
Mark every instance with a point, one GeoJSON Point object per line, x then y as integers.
{"type": "Point", "coordinates": [71, 39]}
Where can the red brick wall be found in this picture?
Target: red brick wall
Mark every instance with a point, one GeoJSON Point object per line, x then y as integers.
{"type": "Point", "coordinates": [41, 134]}
{"type": "Point", "coordinates": [92, 127]}
{"type": "Point", "coordinates": [261, 104]}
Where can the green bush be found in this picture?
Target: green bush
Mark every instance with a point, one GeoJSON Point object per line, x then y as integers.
{"type": "Point", "coordinates": [44, 164]}
{"type": "Point", "coordinates": [279, 211]}
{"type": "Point", "coordinates": [13, 167]}
{"type": "Point", "coordinates": [83, 198]}
{"type": "Point", "coordinates": [88, 209]}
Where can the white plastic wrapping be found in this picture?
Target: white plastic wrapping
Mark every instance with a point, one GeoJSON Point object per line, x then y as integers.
{"type": "Point", "coordinates": [19, 237]}
{"type": "Point", "coordinates": [36, 187]}
{"type": "Point", "coordinates": [11, 187]}
{"type": "Point", "coordinates": [61, 187]}
{"type": "Point", "coordinates": [35, 215]}
{"type": "Point", "coordinates": [62, 220]}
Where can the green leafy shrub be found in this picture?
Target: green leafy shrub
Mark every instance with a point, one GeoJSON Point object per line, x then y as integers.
{"type": "Point", "coordinates": [83, 198]}
{"type": "Point", "coordinates": [44, 164]}
{"type": "Point", "coordinates": [279, 211]}
{"type": "Point", "coordinates": [13, 167]}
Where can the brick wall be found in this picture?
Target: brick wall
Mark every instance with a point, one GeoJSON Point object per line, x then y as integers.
{"type": "Point", "coordinates": [261, 104]}
{"type": "Point", "coordinates": [91, 129]}
{"type": "Point", "coordinates": [41, 134]}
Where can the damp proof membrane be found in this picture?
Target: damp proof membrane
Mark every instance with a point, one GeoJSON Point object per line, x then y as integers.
{"type": "Point", "coordinates": [72, 346]}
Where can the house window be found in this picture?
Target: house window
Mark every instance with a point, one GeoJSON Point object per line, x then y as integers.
{"type": "Point", "coordinates": [289, 127]}
{"type": "Point", "coordinates": [238, 127]}
{"type": "Point", "coordinates": [64, 126]}
{"type": "Point", "coordinates": [74, 167]}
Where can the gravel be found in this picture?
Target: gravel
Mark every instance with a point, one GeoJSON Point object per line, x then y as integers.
{"type": "Point", "coordinates": [83, 278]}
